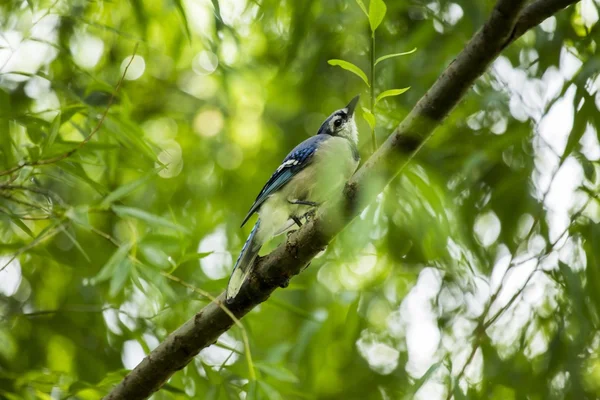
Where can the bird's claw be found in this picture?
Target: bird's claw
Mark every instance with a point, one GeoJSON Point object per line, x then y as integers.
{"type": "Point", "coordinates": [290, 232]}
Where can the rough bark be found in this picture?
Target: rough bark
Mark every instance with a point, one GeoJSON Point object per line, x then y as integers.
{"type": "Point", "coordinates": [508, 21]}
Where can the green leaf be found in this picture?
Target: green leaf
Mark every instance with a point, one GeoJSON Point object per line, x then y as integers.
{"type": "Point", "coordinates": [80, 216]}
{"type": "Point", "coordinates": [17, 221]}
{"type": "Point", "coordinates": [113, 262]}
{"type": "Point", "coordinates": [130, 134]}
{"type": "Point", "coordinates": [362, 7]}
{"type": "Point", "coordinates": [119, 277]}
{"type": "Point", "coordinates": [394, 55]}
{"type": "Point", "coordinates": [54, 128]}
{"type": "Point", "coordinates": [278, 372]}
{"type": "Point", "coordinates": [369, 117]}
{"type": "Point", "coordinates": [270, 392]}
{"type": "Point", "coordinates": [389, 93]}
{"type": "Point", "coordinates": [183, 15]}
{"type": "Point", "coordinates": [377, 10]}
{"type": "Point", "coordinates": [151, 219]}
{"type": "Point", "coordinates": [76, 244]}
{"type": "Point", "coordinates": [350, 67]}
{"type": "Point", "coordinates": [76, 170]}
{"type": "Point", "coordinates": [126, 189]}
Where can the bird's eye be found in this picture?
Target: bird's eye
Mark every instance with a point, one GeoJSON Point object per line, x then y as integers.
{"type": "Point", "coordinates": [337, 123]}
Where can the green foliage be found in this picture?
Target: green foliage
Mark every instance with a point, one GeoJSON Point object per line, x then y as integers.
{"type": "Point", "coordinates": [475, 273]}
{"type": "Point", "coordinates": [377, 11]}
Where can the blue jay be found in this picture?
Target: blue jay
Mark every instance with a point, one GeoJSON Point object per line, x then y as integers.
{"type": "Point", "coordinates": [308, 175]}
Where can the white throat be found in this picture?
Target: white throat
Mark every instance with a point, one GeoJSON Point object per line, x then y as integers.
{"type": "Point", "coordinates": [350, 131]}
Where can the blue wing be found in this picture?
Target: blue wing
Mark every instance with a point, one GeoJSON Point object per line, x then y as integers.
{"type": "Point", "coordinates": [293, 163]}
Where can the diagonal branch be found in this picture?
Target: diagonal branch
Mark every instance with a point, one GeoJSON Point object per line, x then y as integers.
{"type": "Point", "coordinates": [505, 25]}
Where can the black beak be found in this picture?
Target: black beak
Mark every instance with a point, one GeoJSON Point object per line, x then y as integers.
{"type": "Point", "coordinates": [352, 105]}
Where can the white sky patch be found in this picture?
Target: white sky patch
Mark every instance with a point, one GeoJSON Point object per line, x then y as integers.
{"type": "Point", "coordinates": [569, 64]}
{"type": "Point", "coordinates": [556, 125]}
{"type": "Point", "coordinates": [487, 228]}
{"type": "Point", "coordinates": [216, 355]}
{"type": "Point", "coordinates": [589, 13]}
{"type": "Point", "coordinates": [136, 68]}
{"type": "Point", "coordinates": [216, 265]}
{"type": "Point", "coordinates": [10, 277]}
{"type": "Point", "coordinates": [19, 53]}
{"type": "Point", "coordinates": [205, 62]}
{"type": "Point", "coordinates": [200, 17]}
{"type": "Point", "coordinates": [422, 333]}
{"type": "Point", "coordinates": [431, 390]}
{"type": "Point", "coordinates": [86, 50]}
{"type": "Point", "coordinates": [562, 196]}
{"type": "Point", "coordinates": [382, 357]}
{"type": "Point", "coordinates": [133, 354]}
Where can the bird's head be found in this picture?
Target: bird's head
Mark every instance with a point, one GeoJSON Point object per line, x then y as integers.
{"type": "Point", "coordinates": [341, 123]}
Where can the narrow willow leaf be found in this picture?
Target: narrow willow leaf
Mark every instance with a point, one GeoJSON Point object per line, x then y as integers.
{"type": "Point", "coordinates": [126, 189]}
{"type": "Point", "coordinates": [278, 372]}
{"type": "Point", "coordinates": [377, 10]}
{"type": "Point", "coordinates": [77, 171]}
{"type": "Point", "coordinates": [113, 262]}
{"type": "Point", "coordinates": [120, 276]}
{"type": "Point", "coordinates": [17, 221]}
{"type": "Point", "coordinates": [76, 244]}
{"type": "Point", "coordinates": [186, 25]}
{"type": "Point", "coordinates": [151, 219]}
{"type": "Point", "coordinates": [394, 55]}
{"type": "Point", "coordinates": [389, 93]}
{"type": "Point", "coordinates": [54, 128]}
{"type": "Point", "coordinates": [350, 67]}
{"type": "Point", "coordinates": [362, 7]}
{"type": "Point", "coordinates": [369, 117]}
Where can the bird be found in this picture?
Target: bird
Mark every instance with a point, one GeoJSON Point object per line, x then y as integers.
{"type": "Point", "coordinates": [312, 172]}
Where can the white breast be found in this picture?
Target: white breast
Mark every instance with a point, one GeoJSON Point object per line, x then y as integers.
{"type": "Point", "coordinates": [332, 165]}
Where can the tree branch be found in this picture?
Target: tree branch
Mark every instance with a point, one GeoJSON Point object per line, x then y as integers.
{"type": "Point", "coordinates": [505, 25]}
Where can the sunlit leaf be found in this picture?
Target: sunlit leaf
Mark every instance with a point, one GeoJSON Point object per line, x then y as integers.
{"type": "Point", "coordinates": [382, 58]}
{"type": "Point", "coordinates": [126, 189]}
{"type": "Point", "coordinates": [377, 10]}
{"type": "Point", "coordinates": [119, 277]}
{"type": "Point", "coordinates": [77, 171]}
{"type": "Point", "coordinates": [76, 243]}
{"type": "Point", "coordinates": [54, 128]}
{"type": "Point", "coordinates": [183, 15]}
{"type": "Point", "coordinates": [270, 392]}
{"type": "Point", "coordinates": [113, 262]}
{"type": "Point", "coordinates": [278, 372]}
{"type": "Point", "coordinates": [17, 221]}
{"type": "Point", "coordinates": [369, 117]}
{"type": "Point", "coordinates": [389, 93]}
{"type": "Point", "coordinates": [361, 4]}
{"type": "Point", "coordinates": [151, 219]}
{"type": "Point", "coordinates": [350, 67]}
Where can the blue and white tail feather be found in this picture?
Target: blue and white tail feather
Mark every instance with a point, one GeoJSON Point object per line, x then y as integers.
{"type": "Point", "coordinates": [243, 265]}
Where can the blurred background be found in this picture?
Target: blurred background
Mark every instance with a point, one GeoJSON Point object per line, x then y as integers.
{"type": "Point", "coordinates": [475, 274]}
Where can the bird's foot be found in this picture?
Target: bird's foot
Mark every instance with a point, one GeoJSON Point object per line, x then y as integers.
{"type": "Point", "coordinates": [310, 215]}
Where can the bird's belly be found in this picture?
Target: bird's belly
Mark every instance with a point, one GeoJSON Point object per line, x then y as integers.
{"type": "Point", "coordinates": [332, 166]}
